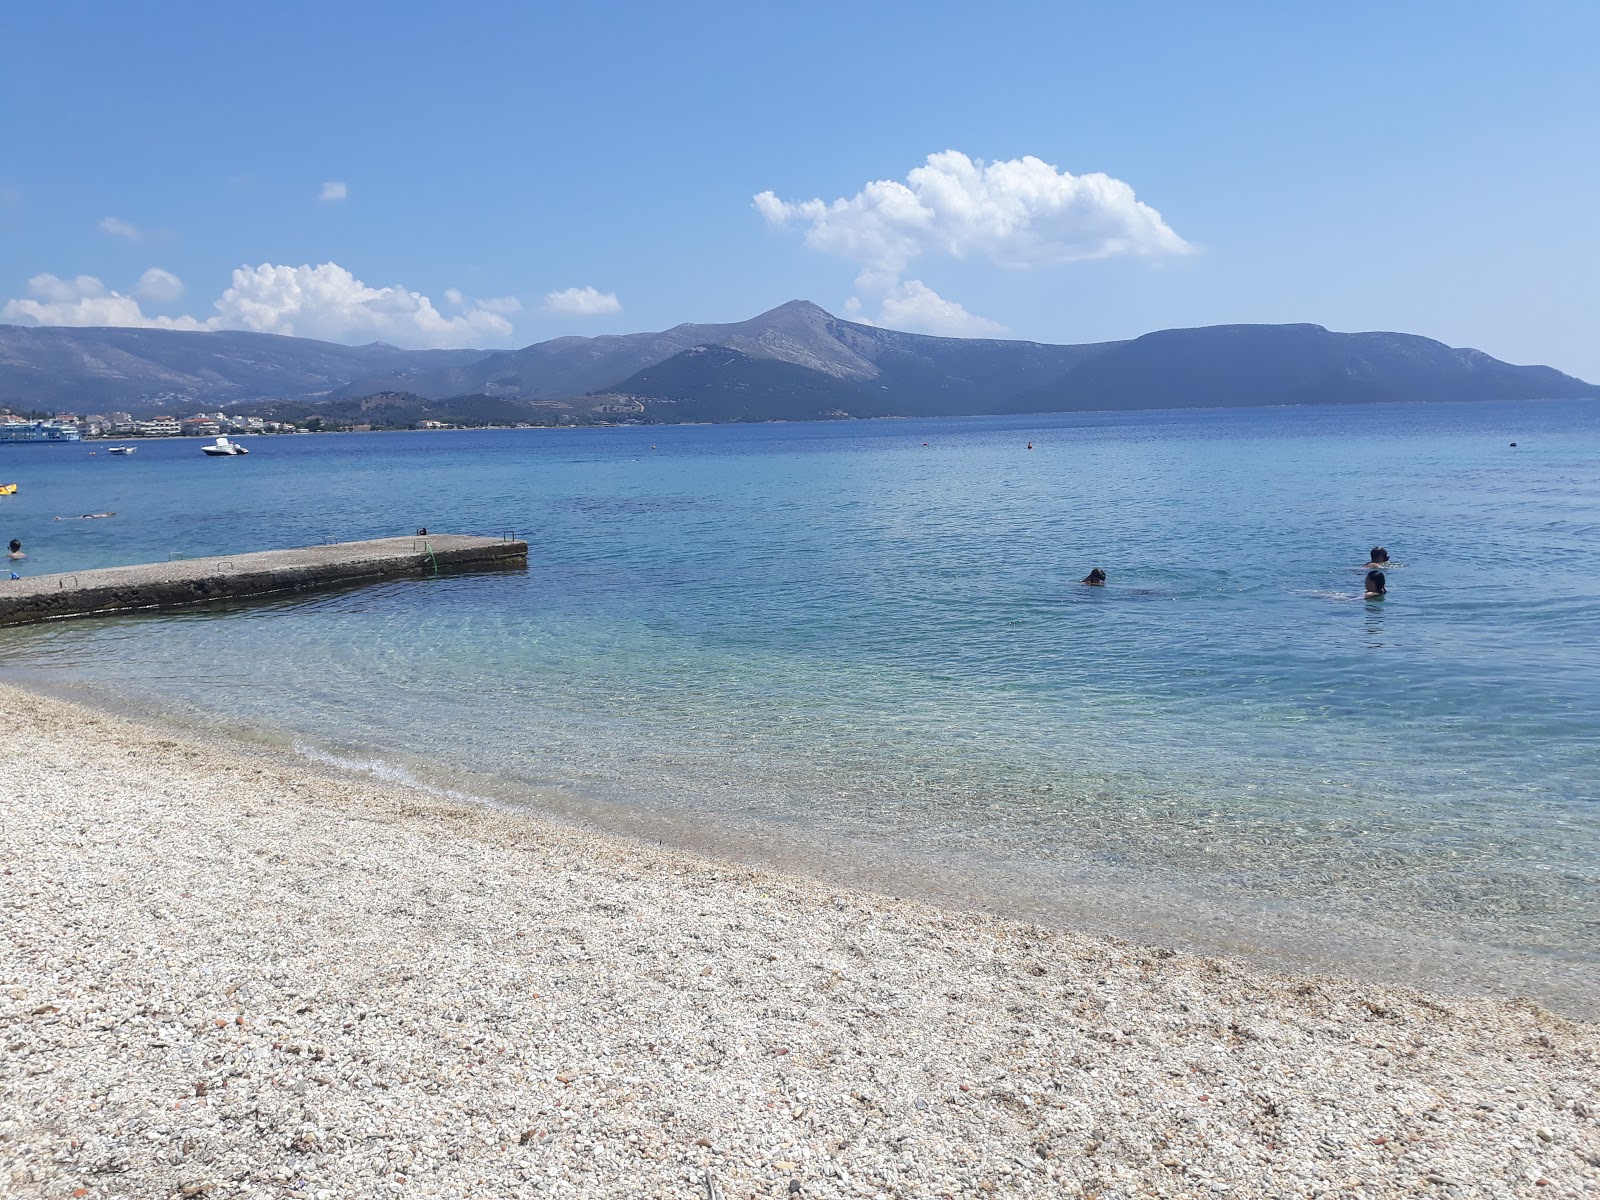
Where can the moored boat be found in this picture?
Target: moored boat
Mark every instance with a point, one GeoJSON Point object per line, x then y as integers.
{"type": "Point", "coordinates": [222, 448]}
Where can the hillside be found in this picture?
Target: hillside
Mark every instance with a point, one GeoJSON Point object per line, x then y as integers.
{"type": "Point", "coordinates": [717, 383]}
{"type": "Point", "coordinates": [1236, 365]}
{"type": "Point", "coordinates": [954, 373]}
{"type": "Point", "coordinates": [794, 362]}
{"type": "Point", "coordinates": [93, 369]}
{"type": "Point", "coordinates": [1221, 366]}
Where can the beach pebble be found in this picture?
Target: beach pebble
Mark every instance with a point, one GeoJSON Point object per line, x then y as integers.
{"type": "Point", "coordinates": [225, 973]}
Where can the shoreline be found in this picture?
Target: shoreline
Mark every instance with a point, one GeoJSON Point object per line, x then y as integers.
{"type": "Point", "coordinates": [1181, 913]}
{"type": "Point", "coordinates": [226, 973]}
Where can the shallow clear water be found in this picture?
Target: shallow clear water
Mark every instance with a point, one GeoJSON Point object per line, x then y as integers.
{"type": "Point", "coordinates": [859, 648]}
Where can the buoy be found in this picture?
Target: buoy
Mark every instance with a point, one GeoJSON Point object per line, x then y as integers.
{"type": "Point", "coordinates": [1513, 445]}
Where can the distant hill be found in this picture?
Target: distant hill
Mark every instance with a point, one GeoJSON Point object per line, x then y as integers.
{"type": "Point", "coordinates": [717, 383]}
{"type": "Point", "coordinates": [795, 362]}
{"type": "Point", "coordinates": [98, 369]}
{"type": "Point", "coordinates": [1234, 365]}
{"type": "Point", "coordinates": [1221, 366]}
{"type": "Point", "coordinates": [954, 373]}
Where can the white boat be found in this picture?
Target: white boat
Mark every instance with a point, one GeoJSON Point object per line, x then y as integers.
{"type": "Point", "coordinates": [120, 449]}
{"type": "Point", "coordinates": [222, 447]}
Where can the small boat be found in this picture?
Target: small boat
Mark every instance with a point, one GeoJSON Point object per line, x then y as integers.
{"type": "Point", "coordinates": [222, 447]}
{"type": "Point", "coordinates": [8, 489]}
{"type": "Point", "coordinates": [121, 449]}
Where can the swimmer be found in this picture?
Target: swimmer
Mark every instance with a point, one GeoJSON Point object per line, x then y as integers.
{"type": "Point", "coordinates": [1030, 445]}
{"type": "Point", "coordinates": [1095, 578]}
{"type": "Point", "coordinates": [1376, 585]}
{"type": "Point", "coordinates": [16, 549]}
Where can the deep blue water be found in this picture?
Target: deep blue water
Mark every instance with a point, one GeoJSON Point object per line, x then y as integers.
{"type": "Point", "coordinates": [859, 647]}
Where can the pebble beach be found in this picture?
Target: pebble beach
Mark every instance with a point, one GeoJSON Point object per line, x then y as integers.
{"type": "Point", "coordinates": [226, 973]}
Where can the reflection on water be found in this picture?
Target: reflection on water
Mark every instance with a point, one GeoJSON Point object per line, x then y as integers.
{"type": "Point", "coordinates": [833, 646]}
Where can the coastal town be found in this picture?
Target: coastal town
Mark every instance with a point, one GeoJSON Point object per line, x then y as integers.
{"type": "Point", "coordinates": [72, 427]}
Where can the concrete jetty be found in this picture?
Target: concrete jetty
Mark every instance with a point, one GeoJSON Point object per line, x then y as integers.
{"type": "Point", "coordinates": [183, 582]}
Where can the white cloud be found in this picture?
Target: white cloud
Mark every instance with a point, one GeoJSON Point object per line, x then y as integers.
{"type": "Point", "coordinates": [324, 301]}
{"type": "Point", "coordinates": [1019, 213]}
{"type": "Point", "coordinates": [84, 300]}
{"type": "Point", "coordinates": [334, 190]}
{"type": "Point", "coordinates": [328, 302]}
{"type": "Point", "coordinates": [1022, 212]}
{"type": "Point", "coordinates": [158, 286]}
{"type": "Point", "coordinates": [915, 307]}
{"type": "Point", "coordinates": [120, 228]}
{"type": "Point", "coordinates": [454, 297]}
{"type": "Point", "coordinates": [582, 302]}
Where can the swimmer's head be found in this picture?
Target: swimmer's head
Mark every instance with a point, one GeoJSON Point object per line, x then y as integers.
{"type": "Point", "coordinates": [1379, 555]}
{"type": "Point", "coordinates": [1095, 578]}
{"type": "Point", "coordinates": [1376, 583]}
{"type": "Point", "coordinates": [16, 544]}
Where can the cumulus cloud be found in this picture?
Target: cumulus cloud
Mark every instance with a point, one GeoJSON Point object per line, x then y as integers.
{"type": "Point", "coordinates": [334, 190]}
{"type": "Point", "coordinates": [158, 286]}
{"type": "Point", "coordinates": [916, 308]}
{"type": "Point", "coordinates": [328, 302]}
{"type": "Point", "coordinates": [84, 300]}
{"type": "Point", "coordinates": [453, 296]}
{"type": "Point", "coordinates": [1018, 213]}
{"type": "Point", "coordinates": [324, 301]}
{"type": "Point", "coordinates": [582, 302]}
{"type": "Point", "coordinates": [117, 227]}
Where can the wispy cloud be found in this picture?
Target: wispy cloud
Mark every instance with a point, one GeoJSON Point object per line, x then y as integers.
{"type": "Point", "coordinates": [334, 190]}
{"type": "Point", "coordinates": [324, 301]}
{"type": "Point", "coordinates": [582, 302]}
{"type": "Point", "coordinates": [117, 227]}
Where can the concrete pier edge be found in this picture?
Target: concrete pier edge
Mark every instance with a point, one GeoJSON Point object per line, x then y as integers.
{"type": "Point", "coordinates": [184, 582]}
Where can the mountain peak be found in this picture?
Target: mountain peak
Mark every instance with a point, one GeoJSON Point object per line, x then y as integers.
{"type": "Point", "coordinates": [797, 308]}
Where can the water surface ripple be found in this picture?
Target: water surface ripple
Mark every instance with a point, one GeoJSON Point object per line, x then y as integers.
{"type": "Point", "coordinates": [859, 647]}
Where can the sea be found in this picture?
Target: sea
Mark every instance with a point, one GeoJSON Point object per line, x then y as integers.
{"type": "Point", "coordinates": [859, 651]}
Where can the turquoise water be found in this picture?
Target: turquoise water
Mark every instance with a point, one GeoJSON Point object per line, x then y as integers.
{"type": "Point", "coordinates": [858, 648]}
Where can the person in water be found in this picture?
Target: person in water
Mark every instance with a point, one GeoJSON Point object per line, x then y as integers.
{"type": "Point", "coordinates": [1095, 578]}
{"type": "Point", "coordinates": [1378, 559]}
{"type": "Point", "coordinates": [1376, 584]}
{"type": "Point", "coordinates": [16, 549]}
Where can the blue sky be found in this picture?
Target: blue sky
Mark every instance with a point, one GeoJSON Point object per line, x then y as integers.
{"type": "Point", "coordinates": [506, 173]}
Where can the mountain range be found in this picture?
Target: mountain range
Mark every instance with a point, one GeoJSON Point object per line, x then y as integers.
{"type": "Point", "coordinates": [795, 362]}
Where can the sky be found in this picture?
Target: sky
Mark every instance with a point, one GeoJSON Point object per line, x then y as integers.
{"type": "Point", "coordinates": [489, 174]}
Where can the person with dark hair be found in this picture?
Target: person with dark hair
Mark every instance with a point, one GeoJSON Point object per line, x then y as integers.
{"type": "Point", "coordinates": [1376, 585]}
{"type": "Point", "coordinates": [1095, 578]}
{"type": "Point", "coordinates": [16, 549]}
{"type": "Point", "coordinates": [1378, 559]}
